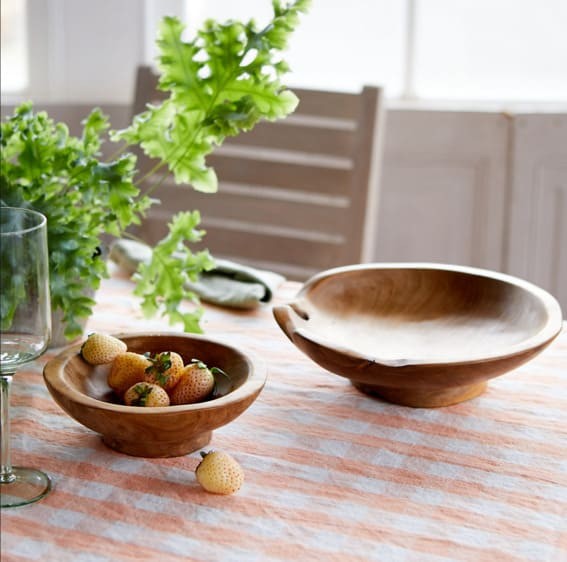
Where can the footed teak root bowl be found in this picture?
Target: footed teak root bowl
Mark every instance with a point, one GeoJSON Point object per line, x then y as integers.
{"type": "Point", "coordinates": [422, 335]}
{"type": "Point", "coordinates": [83, 393]}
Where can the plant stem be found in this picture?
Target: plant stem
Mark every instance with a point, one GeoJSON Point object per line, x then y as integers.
{"type": "Point", "coordinates": [149, 174]}
{"type": "Point", "coordinates": [6, 474]}
{"type": "Point", "coordinates": [156, 184]}
{"type": "Point", "coordinates": [118, 152]}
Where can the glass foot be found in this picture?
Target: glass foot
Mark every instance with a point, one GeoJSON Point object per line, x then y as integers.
{"type": "Point", "coordinates": [28, 486]}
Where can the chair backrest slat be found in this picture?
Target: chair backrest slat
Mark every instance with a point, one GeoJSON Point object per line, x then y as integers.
{"type": "Point", "coordinates": [296, 196]}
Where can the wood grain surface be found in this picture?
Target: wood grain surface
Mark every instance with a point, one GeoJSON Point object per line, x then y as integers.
{"type": "Point", "coordinates": [422, 335]}
{"type": "Point", "coordinates": [81, 390]}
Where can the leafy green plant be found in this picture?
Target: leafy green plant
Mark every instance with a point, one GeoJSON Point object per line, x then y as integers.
{"type": "Point", "coordinates": [44, 168]}
{"type": "Point", "coordinates": [220, 83]}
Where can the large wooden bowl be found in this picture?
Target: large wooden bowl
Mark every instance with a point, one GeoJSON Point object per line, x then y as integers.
{"type": "Point", "coordinates": [422, 335]}
{"type": "Point", "coordinates": [81, 390]}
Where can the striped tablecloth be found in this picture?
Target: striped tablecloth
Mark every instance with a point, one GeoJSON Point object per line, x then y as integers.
{"type": "Point", "coordinates": [331, 474]}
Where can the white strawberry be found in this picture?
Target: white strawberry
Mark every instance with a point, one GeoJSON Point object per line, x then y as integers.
{"type": "Point", "coordinates": [219, 473]}
{"type": "Point", "coordinates": [195, 384]}
{"type": "Point", "coordinates": [99, 349]}
{"type": "Point", "coordinates": [146, 394]}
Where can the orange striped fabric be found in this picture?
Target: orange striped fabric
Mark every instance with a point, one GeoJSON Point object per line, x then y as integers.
{"type": "Point", "coordinates": [331, 474]}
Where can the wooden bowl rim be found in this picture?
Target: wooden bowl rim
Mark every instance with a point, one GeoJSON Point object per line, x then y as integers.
{"type": "Point", "coordinates": [546, 334]}
{"type": "Point", "coordinates": [54, 369]}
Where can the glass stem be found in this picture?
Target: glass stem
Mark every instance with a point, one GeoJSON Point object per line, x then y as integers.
{"type": "Point", "coordinates": [6, 474]}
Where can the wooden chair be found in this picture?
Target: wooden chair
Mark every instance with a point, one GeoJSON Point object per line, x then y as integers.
{"type": "Point", "coordinates": [296, 196]}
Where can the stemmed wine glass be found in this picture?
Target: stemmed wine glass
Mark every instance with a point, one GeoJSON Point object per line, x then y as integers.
{"type": "Point", "coordinates": [25, 322]}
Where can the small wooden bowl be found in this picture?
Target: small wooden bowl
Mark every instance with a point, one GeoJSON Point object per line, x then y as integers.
{"type": "Point", "coordinates": [421, 335]}
{"type": "Point", "coordinates": [82, 391]}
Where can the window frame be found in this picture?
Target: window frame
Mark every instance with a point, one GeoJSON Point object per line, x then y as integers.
{"type": "Point", "coordinates": [48, 71]}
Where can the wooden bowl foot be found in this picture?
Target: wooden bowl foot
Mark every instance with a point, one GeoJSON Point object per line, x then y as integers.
{"type": "Point", "coordinates": [423, 398]}
{"type": "Point", "coordinates": [155, 449]}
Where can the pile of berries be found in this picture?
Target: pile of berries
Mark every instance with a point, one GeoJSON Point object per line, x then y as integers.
{"type": "Point", "coordinates": [161, 379]}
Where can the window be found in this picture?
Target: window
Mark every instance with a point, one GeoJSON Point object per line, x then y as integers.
{"type": "Point", "coordinates": [338, 45]}
{"type": "Point", "coordinates": [14, 46]}
{"type": "Point", "coordinates": [447, 50]}
{"type": "Point", "coordinates": [485, 50]}
{"type": "Point", "coordinates": [513, 50]}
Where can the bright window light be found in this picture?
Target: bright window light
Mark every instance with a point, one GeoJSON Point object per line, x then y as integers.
{"type": "Point", "coordinates": [508, 50]}
{"type": "Point", "coordinates": [14, 69]}
{"type": "Point", "coordinates": [514, 50]}
{"type": "Point", "coordinates": [337, 46]}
